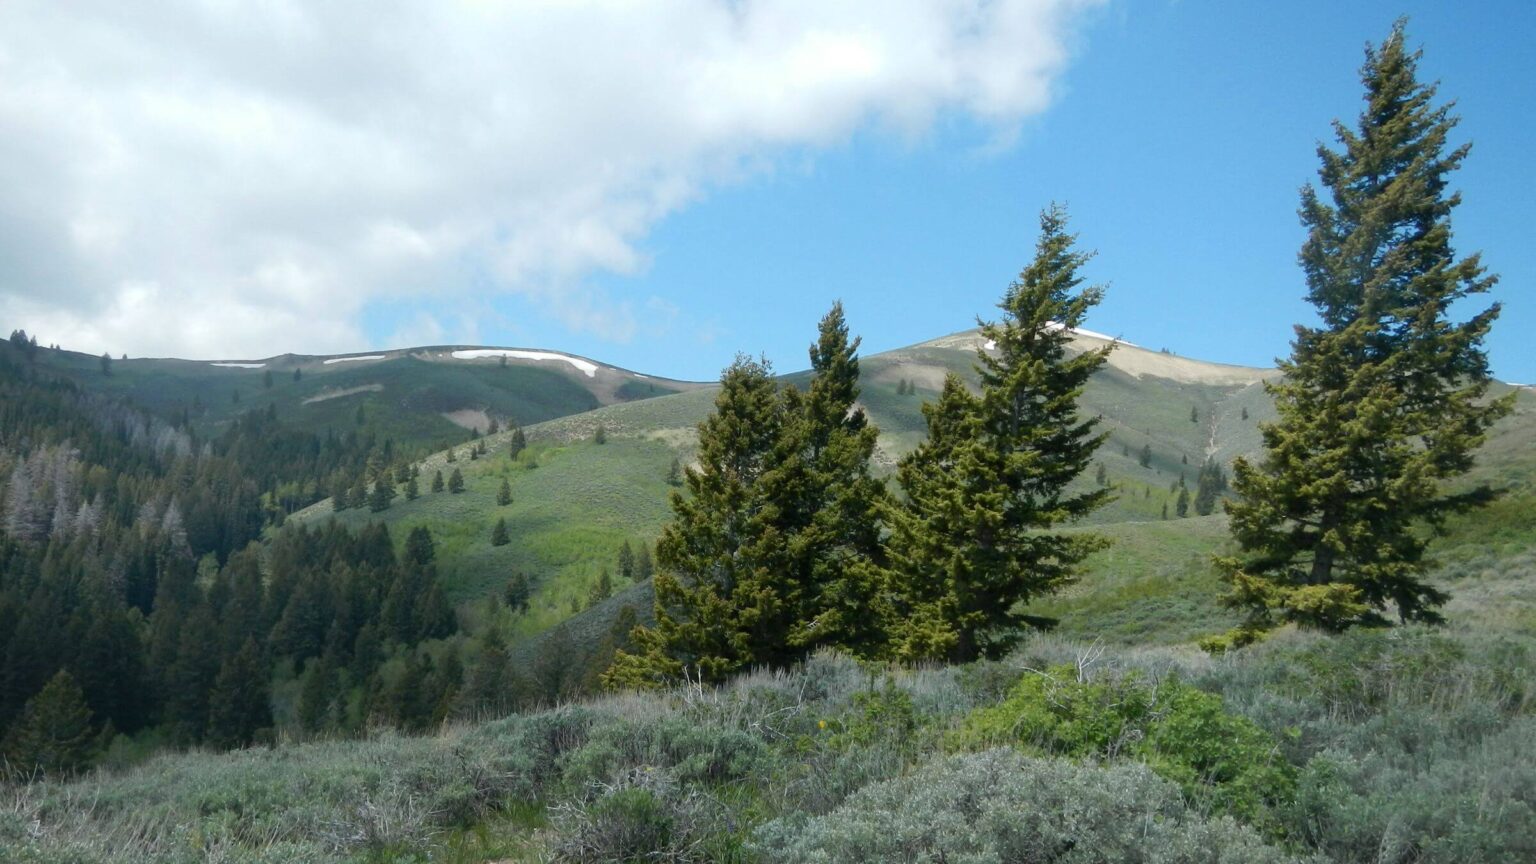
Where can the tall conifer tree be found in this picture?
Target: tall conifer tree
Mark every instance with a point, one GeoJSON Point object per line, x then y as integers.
{"type": "Point", "coordinates": [974, 540]}
{"type": "Point", "coordinates": [1386, 399]}
{"type": "Point", "coordinates": [719, 600]}
{"type": "Point", "coordinates": [53, 735]}
{"type": "Point", "coordinates": [829, 507]}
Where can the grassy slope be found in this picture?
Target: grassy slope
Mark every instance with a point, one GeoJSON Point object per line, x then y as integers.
{"type": "Point", "coordinates": [1154, 584]}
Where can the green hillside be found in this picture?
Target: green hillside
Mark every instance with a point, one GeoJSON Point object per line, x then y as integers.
{"type": "Point", "coordinates": [575, 501]}
{"type": "Point", "coordinates": [420, 397]}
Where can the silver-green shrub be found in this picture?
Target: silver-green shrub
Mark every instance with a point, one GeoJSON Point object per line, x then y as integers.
{"type": "Point", "coordinates": [999, 807]}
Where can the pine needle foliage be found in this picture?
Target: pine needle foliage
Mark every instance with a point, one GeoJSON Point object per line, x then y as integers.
{"type": "Point", "coordinates": [974, 541]}
{"type": "Point", "coordinates": [776, 549]}
{"type": "Point", "coordinates": [1386, 399]}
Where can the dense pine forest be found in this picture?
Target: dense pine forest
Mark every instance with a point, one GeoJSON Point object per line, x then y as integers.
{"type": "Point", "coordinates": [132, 582]}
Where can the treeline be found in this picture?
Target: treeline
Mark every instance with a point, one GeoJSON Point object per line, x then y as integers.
{"type": "Point", "coordinates": [132, 592]}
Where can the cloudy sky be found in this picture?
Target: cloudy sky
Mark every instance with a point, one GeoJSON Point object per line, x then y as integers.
{"type": "Point", "coordinates": [662, 184]}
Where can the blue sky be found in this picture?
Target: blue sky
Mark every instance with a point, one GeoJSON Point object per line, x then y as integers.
{"type": "Point", "coordinates": [1180, 137]}
{"type": "Point", "coordinates": [662, 185]}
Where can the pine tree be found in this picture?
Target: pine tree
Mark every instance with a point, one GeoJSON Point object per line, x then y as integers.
{"type": "Point", "coordinates": [1145, 459]}
{"type": "Point", "coordinates": [1385, 401]}
{"type": "Point", "coordinates": [1181, 504]}
{"type": "Point", "coordinates": [626, 562]}
{"type": "Point", "coordinates": [316, 695]}
{"type": "Point", "coordinates": [53, 735]}
{"type": "Point", "coordinates": [298, 374]}
{"type": "Point", "coordinates": [412, 491]}
{"type": "Point", "coordinates": [456, 482]}
{"type": "Point", "coordinates": [239, 706]}
{"type": "Point", "coordinates": [602, 589]}
{"type": "Point", "coordinates": [600, 435]}
{"type": "Point", "coordinates": [499, 535]}
{"type": "Point", "coordinates": [383, 493]}
{"type": "Point", "coordinates": [504, 494]}
{"type": "Point", "coordinates": [518, 592]}
{"type": "Point", "coordinates": [518, 444]}
{"type": "Point", "coordinates": [829, 508]}
{"type": "Point", "coordinates": [1194, 414]}
{"type": "Point", "coordinates": [644, 568]}
{"type": "Point", "coordinates": [718, 604]}
{"type": "Point", "coordinates": [1211, 482]}
{"type": "Point", "coordinates": [437, 481]}
{"type": "Point", "coordinates": [675, 473]}
{"type": "Point", "coordinates": [974, 541]}
{"type": "Point", "coordinates": [1101, 475]}
{"type": "Point", "coordinates": [451, 457]}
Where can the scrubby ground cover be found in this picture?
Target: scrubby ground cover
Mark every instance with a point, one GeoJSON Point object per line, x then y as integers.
{"type": "Point", "coordinates": [1411, 745]}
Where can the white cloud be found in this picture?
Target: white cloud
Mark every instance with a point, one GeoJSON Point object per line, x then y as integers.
{"type": "Point", "coordinates": [228, 178]}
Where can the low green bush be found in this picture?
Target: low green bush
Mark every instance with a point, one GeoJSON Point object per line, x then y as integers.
{"type": "Point", "coordinates": [998, 806]}
{"type": "Point", "coordinates": [1222, 760]}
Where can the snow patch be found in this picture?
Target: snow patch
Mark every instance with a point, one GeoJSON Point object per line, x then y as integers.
{"type": "Point", "coordinates": [350, 359]}
{"type": "Point", "coordinates": [586, 366]}
{"type": "Point", "coordinates": [337, 394]}
{"type": "Point", "coordinates": [239, 365]}
{"type": "Point", "coordinates": [990, 345]}
{"type": "Point", "coordinates": [1056, 325]}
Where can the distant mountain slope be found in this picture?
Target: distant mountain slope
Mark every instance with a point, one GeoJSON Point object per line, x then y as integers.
{"type": "Point", "coordinates": [428, 396]}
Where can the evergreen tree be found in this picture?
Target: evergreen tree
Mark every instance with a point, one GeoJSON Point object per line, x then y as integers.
{"type": "Point", "coordinates": [974, 541]}
{"type": "Point", "coordinates": [719, 607]}
{"type": "Point", "coordinates": [106, 363]}
{"type": "Point", "coordinates": [434, 617]}
{"type": "Point", "coordinates": [298, 375]}
{"type": "Point", "coordinates": [1245, 412]}
{"type": "Point", "coordinates": [499, 535]}
{"type": "Point", "coordinates": [504, 494]}
{"type": "Point", "coordinates": [626, 562]}
{"type": "Point", "coordinates": [455, 482]}
{"type": "Point", "coordinates": [383, 493]}
{"type": "Point", "coordinates": [412, 491]}
{"type": "Point", "coordinates": [1194, 414]}
{"type": "Point", "coordinates": [316, 695]}
{"type": "Point", "coordinates": [493, 428]}
{"type": "Point", "coordinates": [1101, 476]}
{"type": "Point", "coordinates": [675, 473]}
{"type": "Point", "coordinates": [644, 567]}
{"type": "Point", "coordinates": [1145, 459]}
{"type": "Point", "coordinates": [437, 481]}
{"type": "Point", "coordinates": [1211, 482]}
{"type": "Point", "coordinates": [518, 443]}
{"type": "Point", "coordinates": [1385, 401]}
{"type": "Point", "coordinates": [518, 592]}
{"type": "Point", "coordinates": [829, 508]}
{"type": "Point", "coordinates": [53, 736]}
{"type": "Point", "coordinates": [602, 589]}
{"type": "Point", "coordinates": [1181, 504]}
{"type": "Point", "coordinates": [599, 435]}
{"type": "Point", "coordinates": [239, 706]}
{"type": "Point", "coordinates": [488, 691]}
